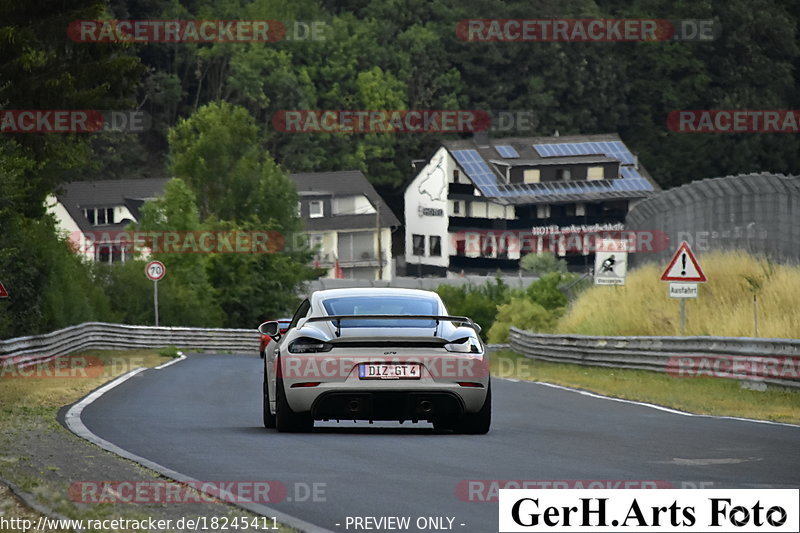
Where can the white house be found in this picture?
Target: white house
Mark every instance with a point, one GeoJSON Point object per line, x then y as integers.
{"type": "Point", "coordinates": [340, 212]}
{"type": "Point", "coordinates": [477, 205]}
{"type": "Point", "coordinates": [86, 210]}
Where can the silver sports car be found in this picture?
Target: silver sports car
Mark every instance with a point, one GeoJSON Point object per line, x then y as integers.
{"type": "Point", "coordinates": [376, 354]}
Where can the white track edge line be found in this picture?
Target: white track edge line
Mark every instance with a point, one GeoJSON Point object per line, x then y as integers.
{"type": "Point", "coordinates": [165, 365]}
{"type": "Point", "coordinates": [72, 419]}
{"type": "Point", "coordinates": [652, 405]}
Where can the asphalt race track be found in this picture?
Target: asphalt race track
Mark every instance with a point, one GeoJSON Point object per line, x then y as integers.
{"type": "Point", "coordinates": [202, 418]}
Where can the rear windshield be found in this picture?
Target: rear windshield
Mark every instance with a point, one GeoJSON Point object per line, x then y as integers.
{"type": "Point", "coordinates": [383, 305]}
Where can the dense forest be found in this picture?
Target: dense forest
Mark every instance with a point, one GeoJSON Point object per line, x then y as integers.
{"type": "Point", "coordinates": [206, 98]}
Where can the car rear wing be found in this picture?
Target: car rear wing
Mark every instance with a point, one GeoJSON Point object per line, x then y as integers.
{"type": "Point", "coordinates": [337, 319]}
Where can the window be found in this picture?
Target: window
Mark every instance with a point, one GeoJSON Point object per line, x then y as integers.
{"type": "Point", "coordinates": [298, 209]}
{"type": "Point", "coordinates": [356, 246]}
{"type": "Point", "coordinates": [435, 246]}
{"type": "Point", "coordinates": [109, 253]}
{"type": "Point", "coordinates": [531, 175]}
{"type": "Point", "coordinates": [456, 175]}
{"type": "Point", "coordinates": [315, 209]}
{"type": "Point", "coordinates": [594, 173]}
{"type": "Point", "coordinates": [563, 174]}
{"type": "Point", "coordinates": [418, 244]}
{"type": "Point", "coordinates": [398, 305]}
{"type": "Point", "coordinates": [456, 207]}
{"type": "Point", "coordinates": [301, 312]}
{"type": "Point", "coordinates": [99, 216]}
{"type": "Point", "coordinates": [315, 242]}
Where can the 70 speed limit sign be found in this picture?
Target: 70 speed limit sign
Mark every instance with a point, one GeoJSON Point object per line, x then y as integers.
{"type": "Point", "coordinates": [155, 270]}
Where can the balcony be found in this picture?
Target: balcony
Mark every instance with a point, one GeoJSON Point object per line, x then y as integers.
{"type": "Point", "coordinates": [365, 259]}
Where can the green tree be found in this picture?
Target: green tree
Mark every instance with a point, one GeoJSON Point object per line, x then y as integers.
{"type": "Point", "coordinates": [186, 295]}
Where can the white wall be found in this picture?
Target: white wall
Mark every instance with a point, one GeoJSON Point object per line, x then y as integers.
{"type": "Point", "coordinates": [67, 225]}
{"type": "Point", "coordinates": [429, 189]}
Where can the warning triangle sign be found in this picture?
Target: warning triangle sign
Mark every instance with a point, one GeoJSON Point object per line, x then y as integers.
{"type": "Point", "coordinates": [3, 291]}
{"type": "Point", "coordinates": [684, 266]}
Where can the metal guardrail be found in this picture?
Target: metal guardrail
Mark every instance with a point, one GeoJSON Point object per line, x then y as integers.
{"type": "Point", "coordinates": [23, 351]}
{"type": "Point", "coordinates": [771, 361]}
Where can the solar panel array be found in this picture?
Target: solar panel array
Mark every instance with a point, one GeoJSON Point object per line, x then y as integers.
{"type": "Point", "coordinates": [615, 149]}
{"type": "Point", "coordinates": [506, 150]}
{"type": "Point", "coordinates": [486, 180]}
{"type": "Point", "coordinates": [477, 170]}
{"type": "Point", "coordinates": [574, 187]}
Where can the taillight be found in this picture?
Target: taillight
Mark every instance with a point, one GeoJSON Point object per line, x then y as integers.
{"type": "Point", "coordinates": [305, 384]}
{"type": "Point", "coordinates": [463, 345]}
{"type": "Point", "coordinates": [309, 345]}
{"type": "Point", "coordinates": [471, 384]}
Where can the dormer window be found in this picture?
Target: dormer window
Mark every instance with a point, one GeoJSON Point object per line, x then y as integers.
{"type": "Point", "coordinates": [563, 174]}
{"type": "Point", "coordinates": [316, 209]}
{"type": "Point", "coordinates": [99, 216]}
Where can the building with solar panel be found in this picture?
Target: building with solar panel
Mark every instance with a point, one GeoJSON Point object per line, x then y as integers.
{"type": "Point", "coordinates": [478, 205]}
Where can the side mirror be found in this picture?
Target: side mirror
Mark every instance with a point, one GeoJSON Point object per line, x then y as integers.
{"type": "Point", "coordinates": [477, 327]}
{"type": "Point", "coordinates": [271, 328]}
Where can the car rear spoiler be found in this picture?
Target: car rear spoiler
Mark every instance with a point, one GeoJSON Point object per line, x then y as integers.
{"type": "Point", "coordinates": [337, 319]}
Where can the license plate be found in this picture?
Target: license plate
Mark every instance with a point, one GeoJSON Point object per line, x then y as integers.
{"type": "Point", "coordinates": [388, 371]}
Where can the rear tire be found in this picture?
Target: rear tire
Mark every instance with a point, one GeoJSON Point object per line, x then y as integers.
{"type": "Point", "coordinates": [480, 422]}
{"type": "Point", "coordinates": [286, 420]}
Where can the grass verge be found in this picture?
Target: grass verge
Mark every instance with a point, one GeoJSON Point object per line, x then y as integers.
{"type": "Point", "coordinates": [42, 458]}
{"type": "Point", "coordinates": [703, 395]}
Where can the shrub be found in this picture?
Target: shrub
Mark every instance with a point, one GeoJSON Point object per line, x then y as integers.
{"type": "Point", "coordinates": [542, 263]}
{"type": "Point", "coordinates": [476, 302]}
{"type": "Point", "coordinates": [525, 314]}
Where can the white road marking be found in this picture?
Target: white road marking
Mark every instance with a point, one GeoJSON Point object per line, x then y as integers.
{"type": "Point", "coordinates": [76, 425]}
{"type": "Point", "coordinates": [652, 405]}
{"type": "Point", "coordinates": [178, 360]}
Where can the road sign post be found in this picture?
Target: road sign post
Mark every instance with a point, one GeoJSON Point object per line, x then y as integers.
{"type": "Point", "coordinates": [155, 271]}
{"type": "Point", "coordinates": [683, 273]}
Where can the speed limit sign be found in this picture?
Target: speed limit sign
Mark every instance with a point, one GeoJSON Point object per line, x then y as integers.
{"type": "Point", "coordinates": [155, 270]}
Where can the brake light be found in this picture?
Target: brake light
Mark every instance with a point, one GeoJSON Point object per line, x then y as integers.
{"type": "Point", "coordinates": [463, 345]}
{"type": "Point", "coordinates": [309, 345]}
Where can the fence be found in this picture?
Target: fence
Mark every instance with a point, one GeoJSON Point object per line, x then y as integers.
{"type": "Point", "coordinates": [772, 361]}
{"type": "Point", "coordinates": [98, 335]}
